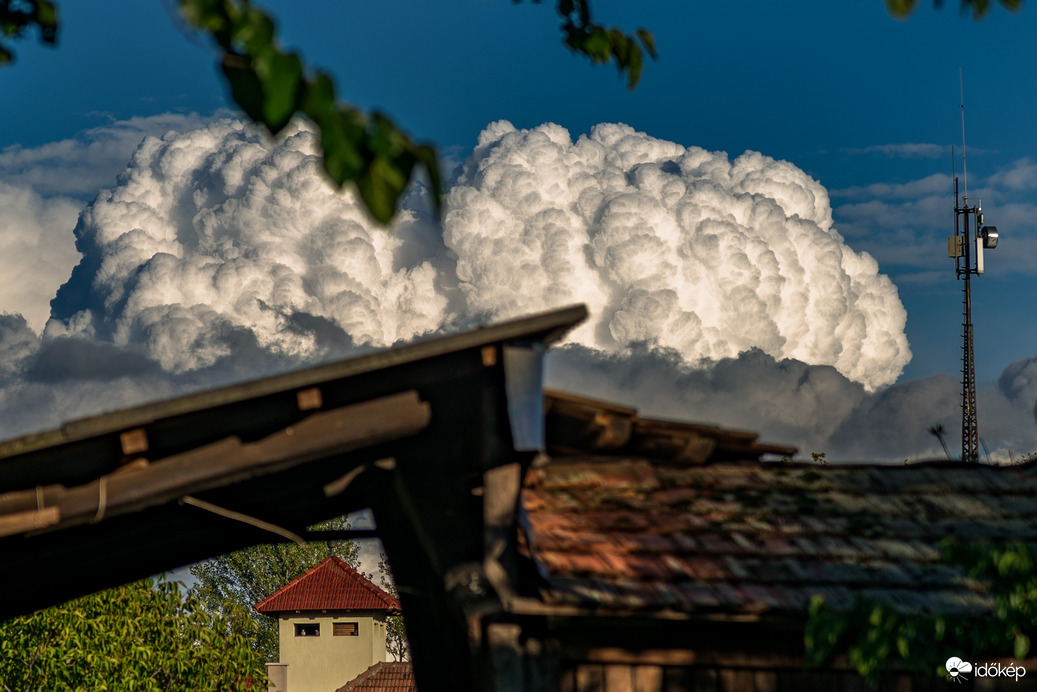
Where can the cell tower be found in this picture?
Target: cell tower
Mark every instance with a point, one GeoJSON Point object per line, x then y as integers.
{"type": "Point", "coordinates": [966, 248]}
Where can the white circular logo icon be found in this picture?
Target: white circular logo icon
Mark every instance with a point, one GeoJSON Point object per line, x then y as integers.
{"type": "Point", "coordinates": [955, 666]}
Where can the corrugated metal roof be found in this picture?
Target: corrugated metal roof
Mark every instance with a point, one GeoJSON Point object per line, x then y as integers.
{"type": "Point", "coordinates": [331, 585]}
{"type": "Point", "coordinates": [386, 676]}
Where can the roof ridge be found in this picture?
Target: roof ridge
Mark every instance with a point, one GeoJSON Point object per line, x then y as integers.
{"type": "Point", "coordinates": [378, 591]}
{"type": "Point", "coordinates": [337, 568]}
{"type": "Point", "coordinates": [363, 677]}
{"type": "Point", "coordinates": [287, 587]}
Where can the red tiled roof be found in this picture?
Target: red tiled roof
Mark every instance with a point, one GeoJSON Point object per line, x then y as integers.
{"type": "Point", "coordinates": [395, 676]}
{"type": "Point", "coordinates": [627, 532]}
{"type": "Point", "coordinates": [331, 585]}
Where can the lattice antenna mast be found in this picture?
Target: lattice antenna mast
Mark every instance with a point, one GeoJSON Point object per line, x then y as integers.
{"type": "Point", "coordinates": [966, 247]}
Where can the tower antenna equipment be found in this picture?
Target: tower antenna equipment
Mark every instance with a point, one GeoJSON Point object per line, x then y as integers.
{"type": "Point", "coordinates": [966, 248]}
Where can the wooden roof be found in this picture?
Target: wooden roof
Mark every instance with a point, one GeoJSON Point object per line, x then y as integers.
{"type": "Point", "coordinates": [137, 492]}
{"type": "Point", "coordinates": [579, 425]}
{"type": "Point", "coordinates": [330, 585]}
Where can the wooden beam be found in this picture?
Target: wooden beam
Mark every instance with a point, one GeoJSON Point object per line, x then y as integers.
{"type": "Point", "coordinates": [228, 461]}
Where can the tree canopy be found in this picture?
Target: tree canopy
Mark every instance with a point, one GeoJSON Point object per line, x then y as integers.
{"type": "Point", "coordinates": [874, 635]}
{"type": "Point", "coordinates": [233, 584]}
{"type": "Point", "coordinates": [147, 636]}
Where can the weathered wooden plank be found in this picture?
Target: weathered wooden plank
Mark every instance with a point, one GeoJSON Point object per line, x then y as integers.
{"type": "Point", "coordinates": [765, 681]}
{"type": "Point", "coordinates": [734, 680]}
{"type": "Point", "coordinates": [32, 520]}
{"type": "Point", "coordinates": [590, 678]}
{"type": "Point", "coordinates": [619, 678]}
{"type": "Point", "coordinates": [548, 326]}
{"type": "Point", "coordinates": [648, 678]}
{"type": "Point", "coordinates": [229, 460]}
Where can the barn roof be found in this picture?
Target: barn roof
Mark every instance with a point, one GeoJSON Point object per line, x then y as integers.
{"type": "Point", "coordinates": [330, 585]}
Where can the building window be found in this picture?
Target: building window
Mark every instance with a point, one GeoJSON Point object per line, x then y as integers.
{"type": "Point", "coordinates": [307, 630]}
{"type": "Point", "coordinates": [345, 629]}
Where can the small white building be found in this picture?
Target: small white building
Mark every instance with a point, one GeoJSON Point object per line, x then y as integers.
{"type": "Point", "coordinates": [331, 627]}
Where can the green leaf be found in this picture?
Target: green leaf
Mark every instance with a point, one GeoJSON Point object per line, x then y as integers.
{"type": "Point", "coordinates": [245, 87]}
{"type": "Point", "coordinates": [1022, 645]}
{"type": "Point", "coordinates": [900, 8]}
{"type": "Point", "coordinates": [318, 100]}
{"type": "Point", "coordinates": [381, 185]}
{"type": "Point", "coordinates": [648, 41]}
{"type": "Point", "coordinates": [47, 19]}
{"type": "Point", "coordinates": [597, 45]}
{"type": "Point", "coordinates": [634, 65]}
{"type": "Point", "coordinates": [280, 76]}
{"type": "Point", "coordinates": [341, 137]}
{"type": "Point", "coordinates": [210, 16]}
{"type": "Point", "coordinates": [254, 31]}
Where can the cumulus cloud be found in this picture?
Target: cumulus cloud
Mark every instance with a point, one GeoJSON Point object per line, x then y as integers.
{"type": "Point", "coordinates": [42, 190]}
{"type": "Point", "coordinates": [36, 250]}
{"type": "Point", "coordinates": [675, 247]}
{"type": "Point", "coordinates": [904, 226]}
{"type": "Point", "coordinates": [1019, 175]}
{"type": "Point", "coordinates": [812, 407]}
{"type": "Point", "coordinates": [216, 235]}
{"type": "Point", "coordinates": [905, 150]}
{"type": "Point", "coordinates": [216, 230]}
{"type": "Point", "coordinates": [936, 184]}
{"type": "Point", "coordinates": [82, 164]}
{"type": "Point", "coordinates": [720, 289]}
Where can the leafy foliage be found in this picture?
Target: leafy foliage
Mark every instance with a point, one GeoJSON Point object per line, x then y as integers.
{"type": "Point", "coordinates": [601, 44]}
{"type": "Point", "coordinates": [874, 634]}
{"type": "Point", "coordinates": [142, 637]}
{"type": "Point", "coordinates": [396, 643]}
{"type": "Point", "coordinates": [233, 584]}
{"type": "Point", "coordinates": [18, 16]}
{"type": "Point", "coordinates": [272, 86]}
{"type": "Point", "coordinates": [978, 8]}
{"type": "Point", "coordinates": [369, 150]}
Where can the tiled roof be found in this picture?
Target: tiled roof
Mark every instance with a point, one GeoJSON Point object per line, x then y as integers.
{"type": "Point", "coordinates": [331, 585]}
{"type": "Point", "coordinates": [386, 676]}
{"type": "Point", "coordinates": [756, 537]}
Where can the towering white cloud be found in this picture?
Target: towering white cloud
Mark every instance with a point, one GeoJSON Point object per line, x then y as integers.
{"type": "Point", "coordinates": [215, 233]}
{"type": "Point", "coordinates": [719, 289]}
{"type": "Point", "coordinates": [42, 190]}
{"type": "Point", "coordinates": [36, 250]}
{"type": "Point", "coordinates": [673, 247]}
{"type": "Point", "coordinates": [82, 164]}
